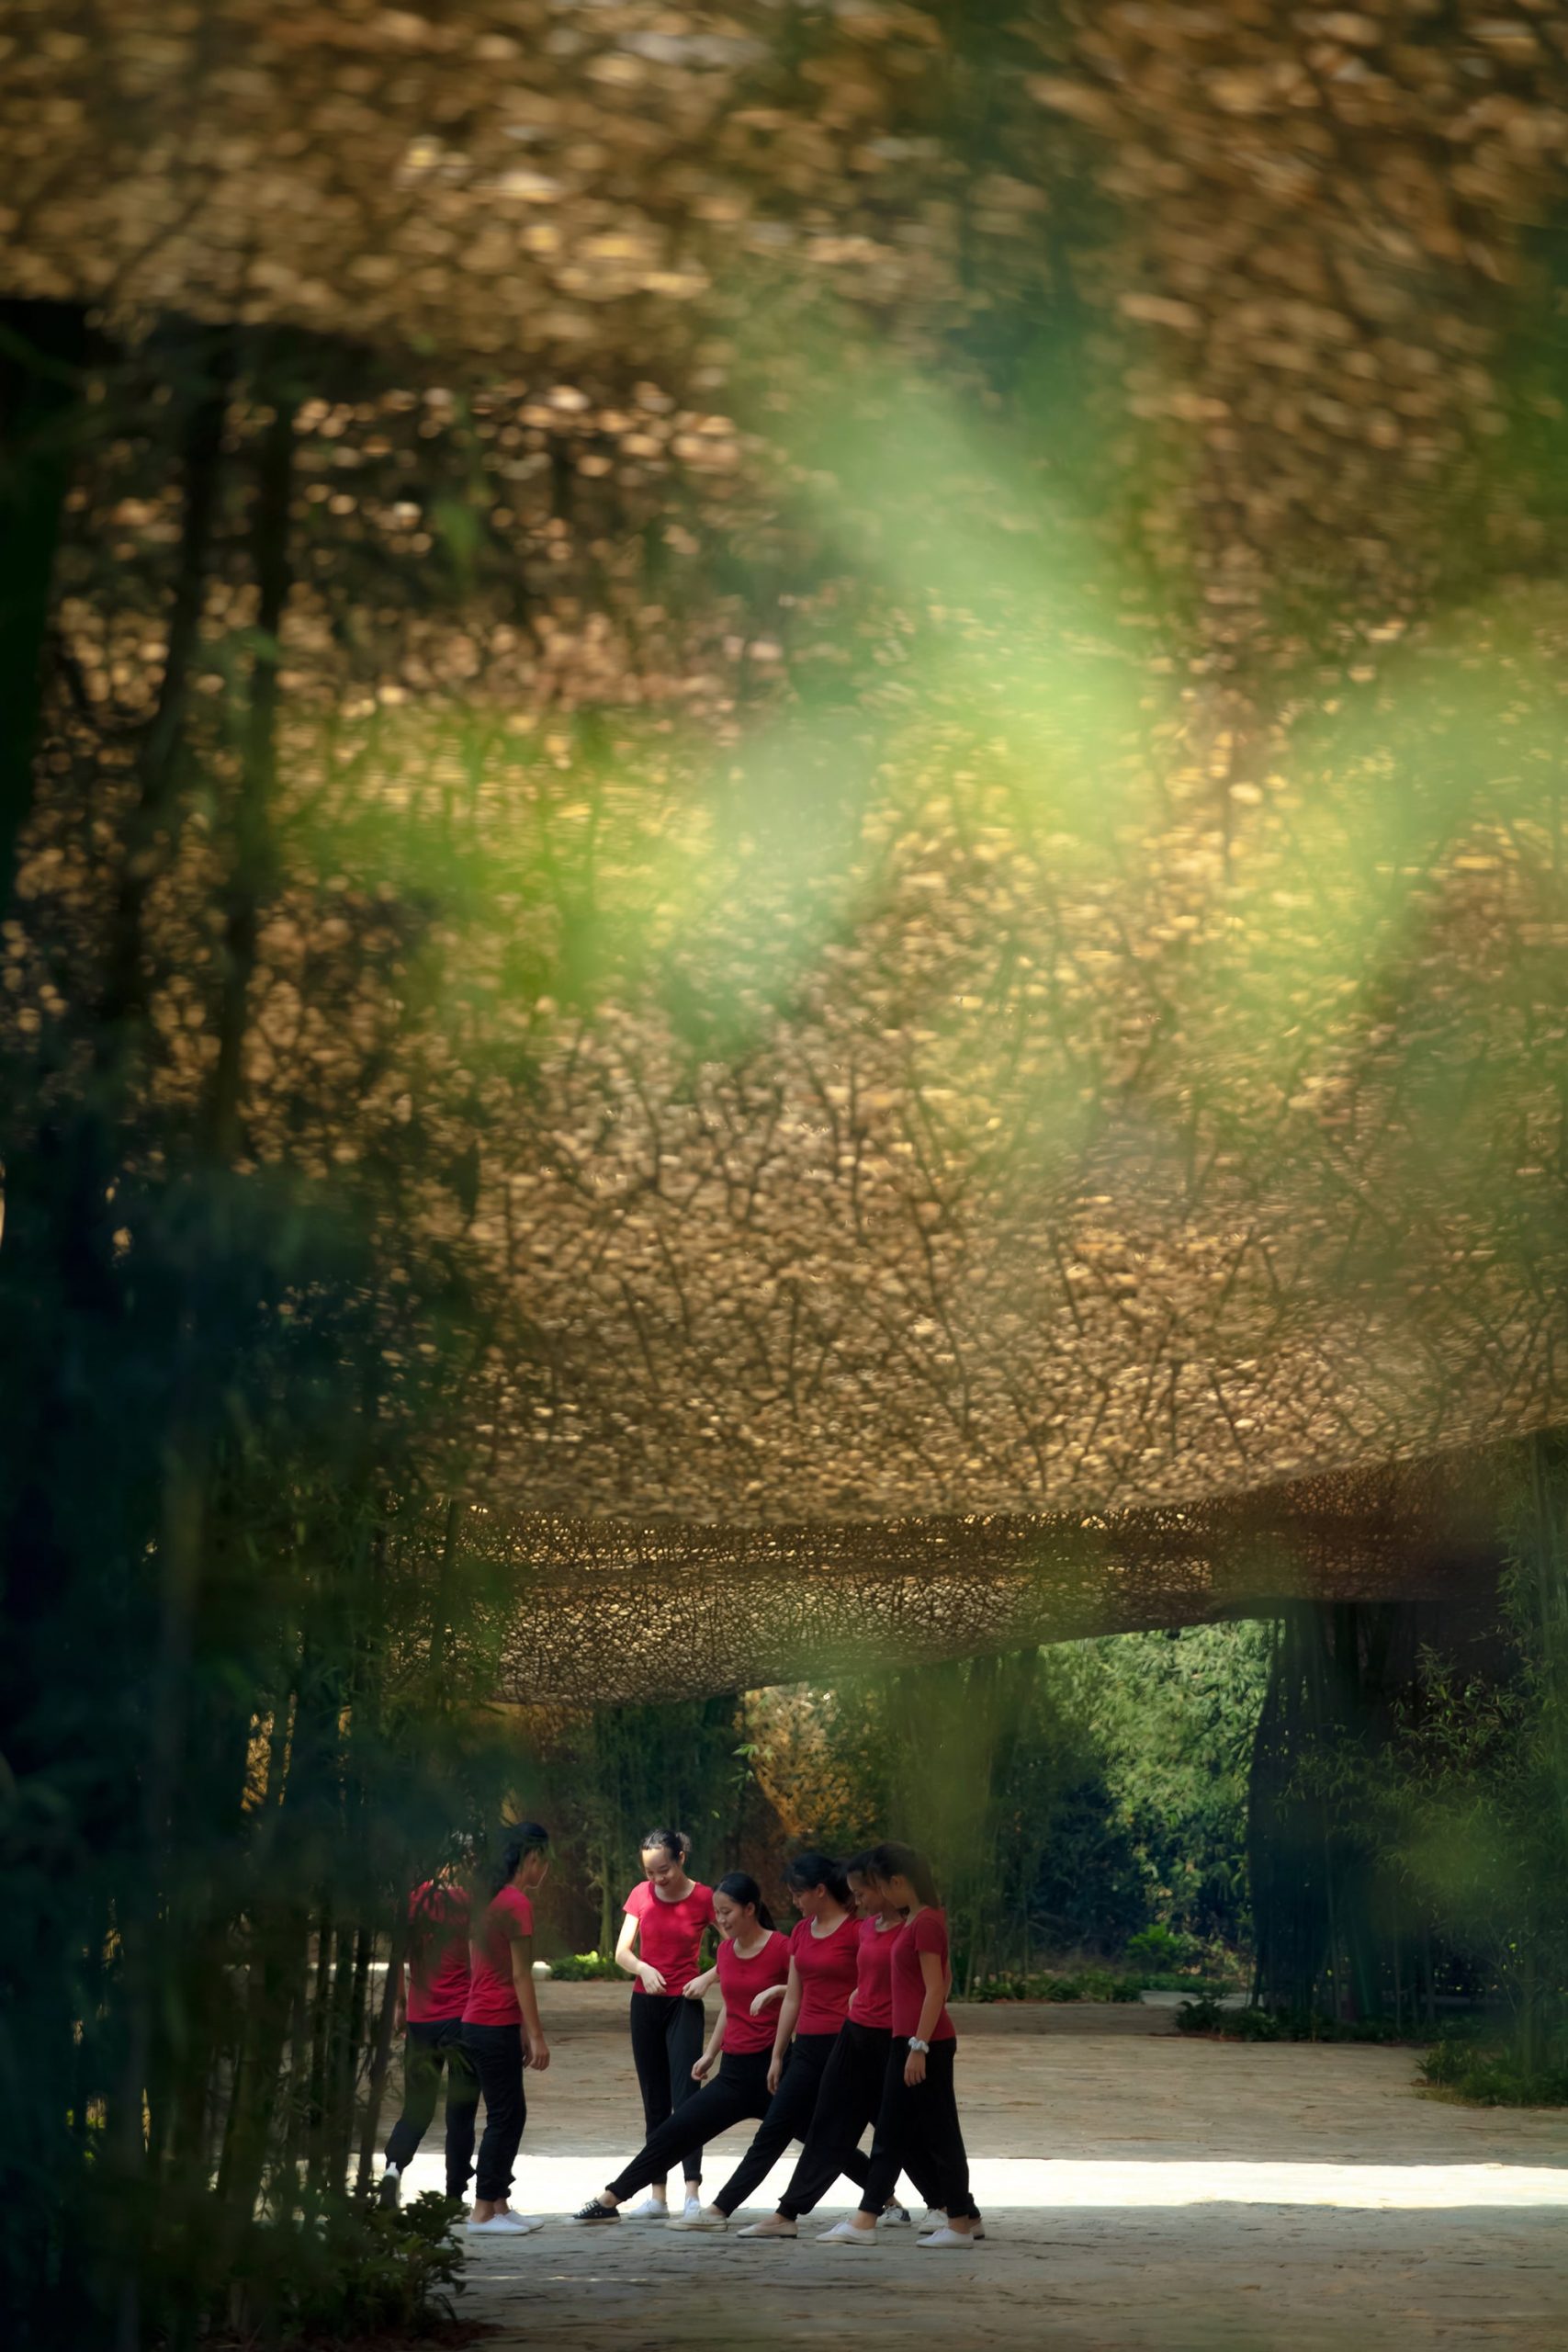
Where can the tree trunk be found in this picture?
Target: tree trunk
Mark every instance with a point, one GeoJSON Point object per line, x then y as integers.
{"type": "Point", "coordinates": [43, 348]}
{"type": "Point", "coordinates": [380, 2059]}
{"type": "Point", "coordinates": [251, 865]}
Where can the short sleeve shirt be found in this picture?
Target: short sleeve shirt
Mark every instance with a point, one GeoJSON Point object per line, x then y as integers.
{"type": "Point", "coordinates": [873, 2002]}
{"type": "Point", "coordinates": [670, 1934]}
{"type": "Point", "coordinates": [826, 1966]}
{"type": "Point", "coordinates": [493, 1997]}
{"type": "Point", "coordinates": [741, 1981]}
{"type": "Point", "coordinates": [438, 1953]}
{"type": "Point", "coordinates": [926, 1932]}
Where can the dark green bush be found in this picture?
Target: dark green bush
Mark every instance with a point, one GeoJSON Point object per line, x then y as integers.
{"type": "Point", "coordinates": [1207, 2016]}
{"type": "Point", "coordinates": [348, 2269]}
{"type": "Point", "coordinates": [1157, 1948]}
{"type": "Point", "coordinates": [585, 1968]}
{"type": "Point", "coordinates": [1086, 1985]}
{"type": "Point", "coordinates": [1490, 2074]}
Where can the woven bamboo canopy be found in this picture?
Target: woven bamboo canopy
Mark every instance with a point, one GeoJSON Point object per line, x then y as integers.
{"type": "Point", "coordinates": [1099, 1165]}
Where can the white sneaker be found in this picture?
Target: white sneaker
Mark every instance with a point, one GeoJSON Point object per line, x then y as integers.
{"type": "Point", "coordinates": [652, 2209]}
{"type": "Point", "coordinates": [775, 2226]}
{"type": "Point", "coordinates": [692, 2206]}
{"type": "Point", "coordinates": [701, 2217]}
{"type": "Point", "coordinates": [846, 2234]}
{"type": "Point", "coordinates": [946, 2238]}
{"type": "Point", "coordinates": [503, 2225]}
{"type": "Point", "coordinates": [893, 2216]}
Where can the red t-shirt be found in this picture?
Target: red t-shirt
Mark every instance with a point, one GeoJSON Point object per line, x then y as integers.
{"type": "Point", "coordinates": [670, 1934]}
{"type": "Point", "coordinates": [926, 1932]}
{"type": "Point", "coordinates": [873, 2003]}
{"type": "Point", "coordinates": [438, 1951]}
{"type": "Point", "coordinates": [827, 1969]}
{"type": "Point", "coordinates": [741, 1981]}
{"type": "Point", "coordinates": [492, 1998]}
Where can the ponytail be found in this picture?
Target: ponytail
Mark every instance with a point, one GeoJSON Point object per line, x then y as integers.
{"type": "Point", "coordinates": [810, 1869]}
{"type": "Point", "coordinates": [894, 1861]}
{"type": "Point", "coordinates": [517, 1839]}
{"type": "Point", "coordinates": [739, 1886]}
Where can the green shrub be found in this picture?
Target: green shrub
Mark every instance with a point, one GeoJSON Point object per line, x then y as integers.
{"type": "Point", "coordinates": [1170, 1980]}
{"type": "Point", "coordinates": [346, 2268]}
{"type": "Point", "coordinates": [1207, 2016]}
{"type": "Point", "coordinates": [1087, 1985]}
{"type": "Point", "coordinates": [1489, 2075]}
{"type": "Point", "coordinates": [1157, 1948]}
{"type": "Point", "coordinates": [585, 1968]}
{"type": "Point", "coordinates": [1105, 1985]}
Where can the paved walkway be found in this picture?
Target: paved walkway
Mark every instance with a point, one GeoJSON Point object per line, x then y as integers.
{"type": "Point", "coordinates": [1143, 2193]}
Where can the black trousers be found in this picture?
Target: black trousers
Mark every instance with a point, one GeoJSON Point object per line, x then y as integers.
{"type": "Point", "coordinates": [668, 2034]}
{"type": "Point", "coordinates": [739, 2089]}
{"type": "Point", "coordinates": [850, 2099]}
{"type": "Point", "coordinates": [788, 2118]}
{"type": "Point", "coordinates": [919, 2126]}
{"type": "Point", "coordinates": [496, 2054]}
{"type": "Point", "coordinates": [430, 2046]}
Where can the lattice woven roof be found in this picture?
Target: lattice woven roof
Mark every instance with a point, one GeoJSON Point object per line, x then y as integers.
{"type": "Point", "coordinates": [1119, 1112]}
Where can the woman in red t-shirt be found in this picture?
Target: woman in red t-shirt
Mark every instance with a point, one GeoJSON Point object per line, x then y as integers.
{"type": "Point", "coordinates": [856, 2070]}
{"type": "Point", "coordinates": [668, 1914]}
{"type": "Point", "coordinates": [753, 1959]}
{"type": "Point", "coordinates": [917, 2119]}
{"type": "Point", "coordinates": [431, 1999]}
{"type": "Point", "coordinates": [502, 2032]}
{"type": "Point", "coordinates": [823, 1967]}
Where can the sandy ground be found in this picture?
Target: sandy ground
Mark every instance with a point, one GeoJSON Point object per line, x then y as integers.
{"type": "Point", "coordinates": [1143, 2193]}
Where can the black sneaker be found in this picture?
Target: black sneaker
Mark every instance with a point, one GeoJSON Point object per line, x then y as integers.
{"type": "Point", "coordinates": [594, 2211]}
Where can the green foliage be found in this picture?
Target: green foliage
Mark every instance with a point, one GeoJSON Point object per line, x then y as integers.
{"type": "Point", "coordinates": [1158, 1948]}
{"type": "Point", "coordinates": [1173, 1718]}
{"type": "Point", "coordinates": [1487, 2073]}
{"type": "Point", "coordinates": [1476, 1788]}
{"type": "Point", "coordinates": [343, 2268]}
{"type": "Point", "coordinates": [1411, 1803]}
{"type": "Point", "coordinates": [243, 1661]}
{"type": "Point", "coordinates": [585, 1968]}
{"type": "Point", "coordinates": [1206, 2016]}
{"type": "Point", "coordinates": [613, 1776]}
{"type": "Point", "coordinates": [1087, 1985]}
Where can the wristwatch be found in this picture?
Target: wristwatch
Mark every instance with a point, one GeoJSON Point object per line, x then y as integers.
{"type": "Point", "coordinates": [916, 2043]}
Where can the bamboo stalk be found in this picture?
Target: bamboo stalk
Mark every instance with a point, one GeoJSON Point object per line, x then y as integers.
{"type": "Point", "coordinates": [380, 2061]}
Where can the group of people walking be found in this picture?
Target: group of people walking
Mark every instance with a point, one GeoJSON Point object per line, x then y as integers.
{"type": "Point", "coordinates": [841, 2025]}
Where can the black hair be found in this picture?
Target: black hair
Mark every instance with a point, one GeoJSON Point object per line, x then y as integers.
{"type": "Point", "coordinates": [818, 1870]}
{"type": "Point", "coordinates": [673, 1842]}
{"type": "Point", "coordinates": [742, 1888]}
{"type": "Point", "coordinates": [893, 1860]}
{"type": "Point", "coordinates": [517, 1839]}
{"type": "Point", "coordinates": [860, 1866]}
